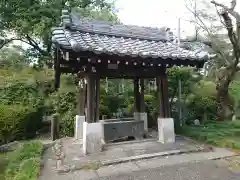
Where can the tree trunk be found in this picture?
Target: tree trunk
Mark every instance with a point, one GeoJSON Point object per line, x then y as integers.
{"type": "Point", "coordinates": [225, 109]}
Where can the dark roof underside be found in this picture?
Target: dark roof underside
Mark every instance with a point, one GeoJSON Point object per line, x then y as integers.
{"type": "Point", "coordinates": [81, 34]}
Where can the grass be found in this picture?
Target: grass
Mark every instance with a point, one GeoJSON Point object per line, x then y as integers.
{"type": "Point", "coordinates": [3, 165]}
{"type": "Point", "coordinates": [23, 163]}
{"type": "Point", "coordinates": [222, 134]}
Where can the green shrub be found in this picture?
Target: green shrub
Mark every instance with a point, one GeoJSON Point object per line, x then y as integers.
{"type": "Point", "coordinates": [19, 122]}
{"type": "Point", "coordinates": [24, 163]}
{"type": "Point", "coordinates": [67, 123]}
{"type": "Point", "coordinates": [21, 93]}
{"type": "Point", "coordinates": [64, 102]}
{"type": "Point", "coordinates": [202, 104]}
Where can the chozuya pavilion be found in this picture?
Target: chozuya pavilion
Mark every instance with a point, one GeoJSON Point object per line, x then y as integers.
{"type": "Point", "coordinates": [96, 49]}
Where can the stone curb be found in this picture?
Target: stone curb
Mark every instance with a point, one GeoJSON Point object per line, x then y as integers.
{"type": "Point", "coordinates": [131, 142]}
{"type": "Point", "coordinates": [150, 156]}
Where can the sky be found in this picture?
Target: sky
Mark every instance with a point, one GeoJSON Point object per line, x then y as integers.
{"type": "Point", "coordinates": [159, 13]}
{"type": "Point", "coordinates": [153, 13]}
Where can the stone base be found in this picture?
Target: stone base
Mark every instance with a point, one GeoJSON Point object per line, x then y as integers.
{"type": "Point", "coordinates": [92, 138]}
{"type": "Point", "coordinates": [79, 126]}
{"type": "Point", "coordinates": [143, 117]}
{"type": "Point", "coordinates": [166, 132]}
{"type": "Point", "coordinates": [136, 116]}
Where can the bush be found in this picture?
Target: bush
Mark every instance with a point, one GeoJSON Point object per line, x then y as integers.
{"type": "Point", "coordinates": [24, 163]}
{"type": "Point", "coordinates": [223, 134]}
{"type": "Point", "coordinates": [67, 123]}
{"type": "Point", "coordinates": [64, 102]}
{"type": "Point", "coordinates": [202, 104]}
{"type": "Point", "coordinates": [19, 122]}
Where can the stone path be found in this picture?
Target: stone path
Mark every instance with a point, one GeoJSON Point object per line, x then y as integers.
{"type": "Point", "coordinates": [165, 168]}
{"type": "Point", "coordinates": [207, 170]}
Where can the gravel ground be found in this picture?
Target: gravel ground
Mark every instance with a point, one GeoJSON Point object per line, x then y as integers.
{"type": "Point", "coordinates": [207, 170]}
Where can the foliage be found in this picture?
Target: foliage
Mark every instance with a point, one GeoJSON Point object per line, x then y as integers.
{"type": "Point", "coordinates": [235, 92]}
{"type": "Point", "coordinates": [18, 122]}
{"type": "Point", "coordinates": [21, 93]}
{"type": "Point", "coordinates": [31, 21]}
{"type": "Point", "coordinates": [188, 76]}
{"type": "Point", "coordinates": [64, 102]}
{"type": "Point", "coordinates": [224, 134]}
{"type": "Point", "coordinates": [13, 58]}
{"type": "Point", "coordinates": [202, 102]}
{"type": "Point", "coordinates": [226, 61]}
{"type": "Point", "coordinates": [67, 123]}
{"type": "Point", "coordinates": [22, 96]}
{"type": "Point", "coordinates": [24, 163]}
{"type": "Point", "coordinates": [3, 165]}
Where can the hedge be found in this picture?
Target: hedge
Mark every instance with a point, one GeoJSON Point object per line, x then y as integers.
{"type": "Point", "coordinates": [19, 122]}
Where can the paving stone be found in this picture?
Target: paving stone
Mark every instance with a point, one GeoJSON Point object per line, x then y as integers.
{"type": "Point", "coordinates": [206, 170]}
{"type": "Point", "coordinates": [84, 175]}
{"type": "Point", "coordinates": [117, 169]}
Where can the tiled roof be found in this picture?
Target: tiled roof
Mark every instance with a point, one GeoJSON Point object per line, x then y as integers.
{"type": "Point", "coordinates": [81, 34]}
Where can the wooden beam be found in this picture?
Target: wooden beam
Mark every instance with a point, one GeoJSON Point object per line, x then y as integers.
{"type": "Point", "coordinates": [155, 61]}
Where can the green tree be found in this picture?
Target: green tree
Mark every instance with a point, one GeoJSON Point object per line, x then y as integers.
{"type": "Point", "coordinates": [31, 20]}
{"type": "Point", "coordinates": [227, 50]}
{"type": "Point", "coordinates": [13, 57]}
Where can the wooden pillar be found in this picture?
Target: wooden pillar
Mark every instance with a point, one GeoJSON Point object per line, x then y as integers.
{"type": "Point", "coordinates": [165, 97]}
{"type": "Point", "coordinates": [90, 98]}
{"type": "Point", "coordinates": [137, 95]}
{"type": "Point", "coordinates": [97, 96]}
{"type": "Point", "coordinates": [57, 68]}
{"type": "Point", "coordinates": [82, 97]}
{"type": "Point", "coordinates": [162, 89]}
{"type": "Point", "coordinates": [159, 97]}
{"type": "Point", "coordinates": [142, 102]}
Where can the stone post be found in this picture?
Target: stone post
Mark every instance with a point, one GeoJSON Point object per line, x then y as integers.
{"type": "Point", "coordinates": [55, 127]}
{"type": "Point", "coordinates": [79, 126]}
{"type": "Point", "coordinates": [166, 132]}
{"type": "Point", "coordinates": [93, 139]}
{"type": "Point", "coordinates": [143, 117]}
{"type": "Point", "coordinates": [136, 116]}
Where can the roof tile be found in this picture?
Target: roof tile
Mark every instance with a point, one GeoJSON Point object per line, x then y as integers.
{"type": "Point", "coordinates": [104, 37]}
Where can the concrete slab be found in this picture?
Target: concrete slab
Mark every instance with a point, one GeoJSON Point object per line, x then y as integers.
{"type": "Point", "coordinates": [74, 155]}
